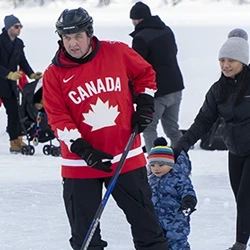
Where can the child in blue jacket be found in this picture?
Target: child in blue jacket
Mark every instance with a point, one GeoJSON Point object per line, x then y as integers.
{"type": "Point", "coordinates": [173, 194]}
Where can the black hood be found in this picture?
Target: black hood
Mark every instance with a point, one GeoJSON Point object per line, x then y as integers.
{"type": "Point", "coordinates": [153, 22]}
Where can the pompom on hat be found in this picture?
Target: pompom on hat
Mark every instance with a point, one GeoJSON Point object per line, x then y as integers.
{"type": "Point", "coordinates": [236, 47]}
{"type": "Point", "coordinates": [161, 153]}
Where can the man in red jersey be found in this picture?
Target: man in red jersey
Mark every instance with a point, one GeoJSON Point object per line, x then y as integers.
{"type": "Point", "coordinates": [90, 107]}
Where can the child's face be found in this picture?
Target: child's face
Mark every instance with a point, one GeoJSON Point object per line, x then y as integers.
{"type": "Point", "coordinates": [160, 170]}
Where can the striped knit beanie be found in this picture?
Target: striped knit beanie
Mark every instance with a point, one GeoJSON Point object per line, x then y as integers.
{"type": "Point", "coordinates": [161, 153]}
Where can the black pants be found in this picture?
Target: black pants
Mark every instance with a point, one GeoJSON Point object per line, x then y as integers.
{"type": "Point", "coordinates": [239, 172]}
{"type": "Point", "coordinates": [13, 120]}
{"type": "Point", "coordinates": [132, 194]}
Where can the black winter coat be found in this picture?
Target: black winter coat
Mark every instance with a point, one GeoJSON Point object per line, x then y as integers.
{"type": "Point", "coordinates": [236, 130]}
{"type": "Point", "coordinates": [155, 42]}
{"type": "Point", "coordinates": [11, 55]}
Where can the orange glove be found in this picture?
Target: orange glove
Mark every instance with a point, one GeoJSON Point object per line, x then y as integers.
{"type": "Point", "coordinates": [14, 76]}
{"type": "Point", "coordinates": [36, 75]}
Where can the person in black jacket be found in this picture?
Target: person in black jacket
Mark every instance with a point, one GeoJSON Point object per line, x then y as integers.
{"type": "Point", "coordinates": [229, 98]}
{"type": "Point", "coordinates": [155, 42]}
{"type": "Point", "coordinates": [12, 55]}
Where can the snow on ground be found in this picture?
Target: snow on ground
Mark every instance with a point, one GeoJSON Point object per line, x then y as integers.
{"type": "Point", "coordinates": [32, 213]}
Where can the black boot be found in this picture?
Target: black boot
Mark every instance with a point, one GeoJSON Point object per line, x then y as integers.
{"type": "Point", "coordinates": [238, 246]}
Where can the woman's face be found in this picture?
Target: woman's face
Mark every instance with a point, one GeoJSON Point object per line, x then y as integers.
{"type": "Point", "coordinates": [230, 67]}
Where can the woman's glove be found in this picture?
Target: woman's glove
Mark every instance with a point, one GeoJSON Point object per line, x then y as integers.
{"type": "Point", "coordinates": [180, 145]}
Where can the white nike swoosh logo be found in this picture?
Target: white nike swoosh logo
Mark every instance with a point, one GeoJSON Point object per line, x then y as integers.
{"type": "Point", "coordinates": [66, 80]}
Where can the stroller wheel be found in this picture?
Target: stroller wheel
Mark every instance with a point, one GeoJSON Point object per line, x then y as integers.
{"type": "Point", "coordinates": [28, 150]}
{"type": "Point", "coordinates": [47, 149]}
{"type": "Point", "coordinates": [55, 151]}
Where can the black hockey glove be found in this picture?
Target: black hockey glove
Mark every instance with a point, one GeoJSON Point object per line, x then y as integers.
{"type": "Point", "coordinates": [143, 115]}
{"type": "Point", "coordinates": [188, 205]}
{"type": "Point", "coordinates": [92, 156]}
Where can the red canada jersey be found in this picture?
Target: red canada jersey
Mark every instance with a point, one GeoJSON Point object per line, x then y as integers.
{"type": "Point", "coordinates": [93, 100]}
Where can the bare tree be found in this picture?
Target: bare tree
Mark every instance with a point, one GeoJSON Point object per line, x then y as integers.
{"type": "Point", "coordinates": [174, 2]}
{"type": "Point", "coordinates": [40, 2]}
{"type": "Point", "coordinates": [17, 3]}
{"type": "Point", "coordinates": [243, 2]}
{"type": "Point", "coordinates": [101, 3]}
{"type": "Point", "coordinates": [104, 2]}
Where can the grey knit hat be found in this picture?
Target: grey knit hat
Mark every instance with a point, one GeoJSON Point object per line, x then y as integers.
{"type": "Point", "coordinates": [236, 47]}
{"type": "Point", "coordinates": [10, 20]}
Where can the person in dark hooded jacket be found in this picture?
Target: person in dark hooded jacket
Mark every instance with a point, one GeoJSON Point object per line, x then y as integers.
{"type": "Point", "coordinates": [155, 42]}
{"type": "Point", "coordinates": [12, 55]}
{"type": "Point", "coordinates": [229, 98]}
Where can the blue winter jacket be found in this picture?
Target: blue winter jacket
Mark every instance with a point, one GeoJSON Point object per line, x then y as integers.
{"type": "Point", "coordinates": [167, 194]}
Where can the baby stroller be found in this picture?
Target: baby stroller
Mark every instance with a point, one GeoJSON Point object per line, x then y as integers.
{"type": "Point", "coordinates": [34, 120]}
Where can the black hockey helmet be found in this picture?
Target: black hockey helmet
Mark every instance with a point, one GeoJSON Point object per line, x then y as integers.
{"type": "Point", "coordinates": [73, 21]}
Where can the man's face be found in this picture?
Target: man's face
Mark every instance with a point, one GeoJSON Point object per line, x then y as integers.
{"type": "Point", "coordinates": [135, 22]}
{"type": "Point", "coordinates": [77, 45]}
{"type": "Point", "coordinates": [15, 30]}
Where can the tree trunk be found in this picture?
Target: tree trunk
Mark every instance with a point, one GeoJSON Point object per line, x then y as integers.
{"type": "Point", "coordinates": [104, 2]}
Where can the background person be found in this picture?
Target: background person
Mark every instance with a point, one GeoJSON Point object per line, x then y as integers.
{"type": "Point", "coordinates": [229, 98]}
{"type": "Point", "coordinates": [12, 55]}
{"type": "Point", "coordinates": [155, 42]}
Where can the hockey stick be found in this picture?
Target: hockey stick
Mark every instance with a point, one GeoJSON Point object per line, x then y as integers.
{"type": "Point", "coordinates": [109, 190]}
